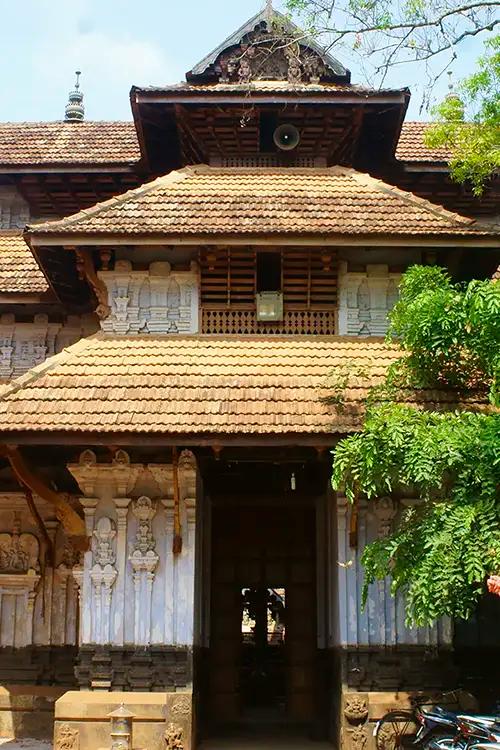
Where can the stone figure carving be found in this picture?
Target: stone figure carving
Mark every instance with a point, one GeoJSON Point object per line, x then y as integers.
{"type": "Point", "coordinates": [173, 737]}
{"type": "Point", "coordinates": [356, 708]}
{"type": "Point", "coordinates": [19, 553]}
{"type": "Point", "coordinates": [67, 738]}
{"type": "Point", "coordinates": [359, 738]}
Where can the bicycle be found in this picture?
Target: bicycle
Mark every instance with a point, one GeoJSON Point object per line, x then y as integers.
{"type": "Point", "coordinates": [398, 728]}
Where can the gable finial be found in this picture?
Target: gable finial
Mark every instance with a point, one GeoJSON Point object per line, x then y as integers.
{"type": "Point", "coordinates": [75, 111]}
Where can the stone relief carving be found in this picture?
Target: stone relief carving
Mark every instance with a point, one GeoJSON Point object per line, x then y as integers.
{"type": "Point", "coordinates": [67, 738]}
{"type": "Point", "coordinates": [365, 300]}
{"type": "Point", "coordinates": [19, 553]}
{"type": "Point", "coordinates": [356, 708]}
{"type": "Point", "coordinates": [173, 737]}
{"type": "Point", "coordinates": [271, 55]}
{"type": "Point", "coordinates": [359, 738]}
{"type": "Point", "coordinates": [156, 301]}
{"type": "Point", "coordinates": [25, 345]}
{"type": "Point", "coordinates": [181, 707]}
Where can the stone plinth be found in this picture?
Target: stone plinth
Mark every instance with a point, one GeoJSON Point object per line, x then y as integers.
{"type": "Point", "coordinates": [82, 717]}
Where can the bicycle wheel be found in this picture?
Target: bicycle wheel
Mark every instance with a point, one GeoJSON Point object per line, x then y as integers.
{"type": "Point", "coordinates": [395, 731]}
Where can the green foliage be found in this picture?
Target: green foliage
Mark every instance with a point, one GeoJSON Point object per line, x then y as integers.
{"type": "Point", "coordinates": [469, 122]}
{"type": "Point", "coordinates": [451, 332]}
{"type": "Point", "coordinates": [448, 541]}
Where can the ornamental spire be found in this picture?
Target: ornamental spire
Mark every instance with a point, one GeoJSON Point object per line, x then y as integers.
{"type": "Point", "coordinates": [269, 9]}
{"type": "Point", "coordinates": [75, 111]}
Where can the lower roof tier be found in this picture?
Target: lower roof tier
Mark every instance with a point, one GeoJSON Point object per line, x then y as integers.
{"type": "Point", "coordinates": [196, 387]}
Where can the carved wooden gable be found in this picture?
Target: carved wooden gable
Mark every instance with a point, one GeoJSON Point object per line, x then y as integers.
{"type": "Point", "coordinates": [269, 48]}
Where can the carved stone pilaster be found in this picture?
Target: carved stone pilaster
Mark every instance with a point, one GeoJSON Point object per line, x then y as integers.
{"type": "Point", "coordinates": [143, 560]}
{"type": "Point", "coordinates": [103, 576]}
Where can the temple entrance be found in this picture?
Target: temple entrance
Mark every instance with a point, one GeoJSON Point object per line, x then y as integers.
{"type": "Point", "coordinates": [262, 665]}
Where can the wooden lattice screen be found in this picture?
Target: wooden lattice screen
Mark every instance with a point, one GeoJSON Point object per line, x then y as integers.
{"type": "Point", "coordinates": [229, 283]}
{"type": "Point", "coordinates": [229, 277]}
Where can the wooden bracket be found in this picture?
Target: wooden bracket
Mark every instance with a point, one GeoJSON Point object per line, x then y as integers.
{"type": "Point", "coordinates": [177, 545]}
{"type": "Point", "coordinates": [72, 523]}
{"type": "Point", "coordinates": [86, 270]}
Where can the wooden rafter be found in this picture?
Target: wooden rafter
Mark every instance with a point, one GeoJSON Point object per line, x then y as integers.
{"type": "Point", "coordinates": [73, 524]}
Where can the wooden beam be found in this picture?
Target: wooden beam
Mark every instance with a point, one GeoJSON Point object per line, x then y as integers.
{"type": "Point", "coordinates": [73, 524]}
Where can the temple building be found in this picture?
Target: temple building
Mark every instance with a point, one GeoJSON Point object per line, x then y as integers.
{"type": "Point", "coordinates": [175, 294]}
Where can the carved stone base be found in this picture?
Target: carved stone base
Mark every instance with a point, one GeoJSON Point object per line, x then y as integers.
{"type": "Point", "coordinates": [162, 720]}
{"type": "Point", "coordinates": [400, 668]}
{"type": "Point", "coordinates": [152, 669]}
{"type": "Point", "coordinates": [38, 665]}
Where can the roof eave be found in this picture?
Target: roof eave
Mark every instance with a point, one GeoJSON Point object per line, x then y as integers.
{"type": "Point", "coordinates": [194, 439]}
{"type": "Point", "coordinates": [449, 239]}
{"type": "Point", "coordinates": [142, 96]}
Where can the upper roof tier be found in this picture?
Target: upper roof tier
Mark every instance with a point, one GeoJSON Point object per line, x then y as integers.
{"type": "Point", "coordinates": [115, 143]}
{"type": "Point", "coordinates": [254, 202]}
{"type": "Point", "coordinates": [68, 143]}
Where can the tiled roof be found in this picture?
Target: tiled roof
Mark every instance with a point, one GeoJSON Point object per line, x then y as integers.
{"type": "Point", "coordinates": [411, 145]}
{"type": "Point", "coordinates": [19, 272]}
{"type": "Point", "coordinates": [197, 385]}
{"type": "Point", "coordinates": [243, 201]}
{"type": "Point", "coordinates": [69, 143]}
{"type": "Point", "coordinates": [273, 87]}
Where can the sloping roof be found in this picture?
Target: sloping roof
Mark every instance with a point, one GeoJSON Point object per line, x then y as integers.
{"type": "Point", "coordinates": [244, 201]}
{"type": "Point", "coordinates": [260, 18]}
{"type": "Point", "coordinates": [197, 385]}
{"type": "Point", "coordinates": [412, 147]}
{"type": "Point", "coordinates": [19, 272]}
{"type": "Point", "coordinates": [68, 143]}
{"type": "Point", "coordinates": [272, 87]}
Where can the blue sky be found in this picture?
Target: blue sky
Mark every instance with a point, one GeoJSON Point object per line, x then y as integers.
{"type": "Point", "coordinates": [117, 43]}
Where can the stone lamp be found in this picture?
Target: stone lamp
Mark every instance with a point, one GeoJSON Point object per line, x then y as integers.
{"type": "Point", "coordinates": [121, 728]}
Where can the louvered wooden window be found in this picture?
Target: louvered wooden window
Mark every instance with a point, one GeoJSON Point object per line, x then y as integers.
{"type": "Point", "coordinates": [229, 277]}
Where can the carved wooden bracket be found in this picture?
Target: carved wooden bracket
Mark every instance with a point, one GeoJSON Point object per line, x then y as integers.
{"type": "Point", "coordinates": [86, 270]}
{"type": "Point", "coordinates": [177, 546]}
{"type": "Point", "coordinates": [71, 521]}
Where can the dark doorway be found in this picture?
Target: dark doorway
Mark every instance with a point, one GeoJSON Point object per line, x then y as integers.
{"type": "Point", "coordinates": [262, 660]}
